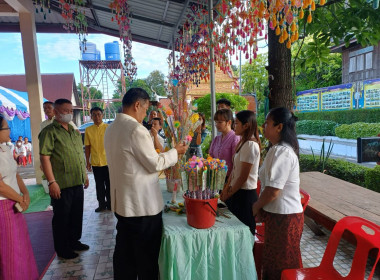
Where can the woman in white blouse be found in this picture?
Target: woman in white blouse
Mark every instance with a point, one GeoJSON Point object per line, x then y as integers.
{"type": "Point", "coordinates": [16, 253]}
{"type": "Point", "coordinates": [240, 191]}
{"type": "Point", "coordinates": [280, 201]}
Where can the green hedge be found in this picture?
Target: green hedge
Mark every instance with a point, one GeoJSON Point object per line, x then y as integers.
{"type": "Point", "coordinates": [347, 171]}
{"type": "Point", "coordinates": [343, 117]}
{"type": "Point", "coordinates": [372, 178]}
{"type": "Point", "coordinates": [314, 127]}
{"type": "Point", "coordinates": [355, 130]}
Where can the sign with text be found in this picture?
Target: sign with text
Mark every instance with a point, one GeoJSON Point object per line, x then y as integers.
{"type": "Point", "coordinates": [337, 97]}
{"type": "Point", "coordinates": [371, 93]}
{"type": "Point", "coordinates": [308, 100]}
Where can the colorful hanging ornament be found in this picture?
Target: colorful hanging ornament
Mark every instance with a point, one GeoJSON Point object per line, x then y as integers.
{"type": "Point", "coordinates": [122, 16]}
{"type": "Point", "coordinates": [42, 6]}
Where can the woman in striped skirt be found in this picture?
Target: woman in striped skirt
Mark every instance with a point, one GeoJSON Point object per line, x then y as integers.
{"type": "Point", "coordinates": [279, 204]}
{"type": "Point", "coordinates": [16, 253]}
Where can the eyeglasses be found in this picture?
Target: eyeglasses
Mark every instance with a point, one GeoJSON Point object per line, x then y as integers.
{"type": "Point", "coordinates": [5, 128]}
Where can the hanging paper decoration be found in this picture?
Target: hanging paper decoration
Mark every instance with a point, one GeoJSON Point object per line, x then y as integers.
{"type": "Point", "coordinates": [75, 19]}
{"type": "Point", "coordinates": [236, 27]}
{"type": "Point", "coordinates": [42, 6]}
{"type": "Point", "coordinates": [9, 114]}
{"type": "Point", "coordinates": [122, 15]}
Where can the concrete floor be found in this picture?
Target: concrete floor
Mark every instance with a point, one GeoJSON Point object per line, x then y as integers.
{"type": "Point", "coordinates": [99, 232]}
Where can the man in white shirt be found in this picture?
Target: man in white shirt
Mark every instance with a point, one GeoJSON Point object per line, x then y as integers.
{"type": "Point", "coordinates": [136, 197]}
{"type": "Point", "coordinates": [49, 112]}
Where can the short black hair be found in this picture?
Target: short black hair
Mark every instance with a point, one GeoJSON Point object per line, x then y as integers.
{"type": "Point", "coordinates": [133, 95]}
{"type": "Point", "coordinates": [96, 109]}
{"type": "Point", "coordinates": [224, 101]}
{"type": "Point", "coordinates": [157, 119]}
{"type": "Point", "coordinates": [62, 101]}
{"type": "Point", "coordinates": [48, 102]}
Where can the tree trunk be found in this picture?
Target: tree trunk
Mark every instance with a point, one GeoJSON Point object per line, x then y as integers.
{"type": "Point", "coordinates": [279, 73]}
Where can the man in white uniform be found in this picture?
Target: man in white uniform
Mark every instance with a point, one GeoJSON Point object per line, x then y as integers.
{"type": "Point", "coordinates": [136, 197]}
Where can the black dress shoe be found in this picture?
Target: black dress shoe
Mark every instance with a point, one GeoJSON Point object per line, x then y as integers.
{"type": "Point", "coordinates": [68, 255]}
{"type": "Point", "coordinates": [100, 209]}
{"type": "Point", "coordinates": [80, 246]}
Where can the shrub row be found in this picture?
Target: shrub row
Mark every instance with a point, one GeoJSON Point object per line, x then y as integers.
{"type": "Point", "coordinates": [347, 171]}
{"type": "Point", "coordinates": [315, 127]}
{"type": "Point", "coordinates": [343, 117]}
{"type": "Point", "coordinates": [355, 130]}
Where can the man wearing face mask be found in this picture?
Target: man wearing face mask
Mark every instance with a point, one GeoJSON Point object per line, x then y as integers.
{"type": "Point", "coordinates": [49, 112]}
{"type": "Point", "coordinates": [63, 164]}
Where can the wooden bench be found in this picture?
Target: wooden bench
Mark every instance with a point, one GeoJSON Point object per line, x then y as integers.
{"type": "Point", "coordinates": [332, 199]}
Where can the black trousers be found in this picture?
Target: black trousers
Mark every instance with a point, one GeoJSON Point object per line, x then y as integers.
{"type": "Point", "coordinates": [102, 180]}
{"type": "Point", "coordinates": [138, 242]}
{"type": "Point", "coordinates": [240, 204]}
{"type": "Point", "coordinates": [68, 218]}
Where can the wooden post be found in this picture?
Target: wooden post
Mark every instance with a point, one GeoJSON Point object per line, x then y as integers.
{"type": "Point", "coordinates": [25, 10]}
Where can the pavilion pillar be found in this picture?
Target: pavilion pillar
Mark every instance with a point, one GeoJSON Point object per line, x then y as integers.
{"type": "Point", "coordinates": [33, 77]}
{"type": "Point", "coordinates": [212, 72]}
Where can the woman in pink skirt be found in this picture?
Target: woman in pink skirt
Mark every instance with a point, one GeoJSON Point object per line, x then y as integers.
{"type": "Point", "coordinates": [16, 253]}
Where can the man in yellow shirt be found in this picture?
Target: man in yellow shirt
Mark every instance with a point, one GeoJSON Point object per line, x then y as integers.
{"type": "Point", "coordinates": [94, 148]}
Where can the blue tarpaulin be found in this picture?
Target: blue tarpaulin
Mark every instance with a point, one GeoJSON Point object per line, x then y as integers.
{"type": "Point", "coordinates": [15, 107]}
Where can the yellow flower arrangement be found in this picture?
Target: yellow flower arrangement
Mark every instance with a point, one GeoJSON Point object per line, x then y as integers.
{"type": "Point", "coordinates": [194, 118]}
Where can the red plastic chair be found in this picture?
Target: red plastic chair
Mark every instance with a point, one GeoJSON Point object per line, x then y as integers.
{"type": "Point", "coordinates": [367, 236]}
{"type": "Point", "coordinates": [23, 160]}
{"type": "Point", "coordinates": [305, 197]}
{"type": "Point", "coordinates": [260, 231]}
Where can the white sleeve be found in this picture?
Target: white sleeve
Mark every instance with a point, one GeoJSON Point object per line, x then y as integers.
{"type": "Point", "coordinates": [144, 152]}
{"type": "Point", "coordinates": [249, 152]}
{"type": "Point", "coordinates": [277, 167]}
{"type": "Point", "coordinates": [162, 141]}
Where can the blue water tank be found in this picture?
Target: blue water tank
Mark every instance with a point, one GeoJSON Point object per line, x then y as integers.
{"type": "Point", "coordinates": [89, 52]}
{"type": "Point", "coordinates": [112, 50]}
{"type": "Point", "coordinates": [98, 57]}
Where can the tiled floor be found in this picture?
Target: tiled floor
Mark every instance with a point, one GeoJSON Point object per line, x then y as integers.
{"type": "Point", "coordinates": [99, 232]}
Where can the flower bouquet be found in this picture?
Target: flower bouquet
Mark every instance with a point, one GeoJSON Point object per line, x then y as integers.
{"type": "Point", "coordinates": [179, 125]}
{"type": "Point", "coordinates": [203, 178]}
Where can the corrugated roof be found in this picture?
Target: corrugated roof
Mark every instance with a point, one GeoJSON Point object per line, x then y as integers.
{"type": "Point", "coordinates": [154, 22]}
{"type": "Point", "coordinates": [54, 86]}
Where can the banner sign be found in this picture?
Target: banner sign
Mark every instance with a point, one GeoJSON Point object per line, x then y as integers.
{"type": "Point", "coordinates": [308, 100]}
{"type": "Point", "coordinates": [337, 97]}
{"type": "Point", "coordinates": [371, 93]}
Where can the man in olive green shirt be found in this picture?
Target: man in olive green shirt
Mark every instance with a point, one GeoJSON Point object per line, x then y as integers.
{"type": "Point", "coordinates": [63, 164]}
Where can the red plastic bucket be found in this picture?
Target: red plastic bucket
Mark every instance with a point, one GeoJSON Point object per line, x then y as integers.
{"type": "Point", "coordinates": [201, 212]}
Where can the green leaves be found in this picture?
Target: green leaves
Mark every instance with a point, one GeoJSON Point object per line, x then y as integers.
{"type": "Point", "coordinates": [255, 76]}
{"type": "Point", "coordinates": [316, 127]}
{"type": "Point", "coordinates": [342, 22]}
{"type": "Point", "coordinates": [355, 130]}
{"type": "Point", "coordinates": [238, 103]}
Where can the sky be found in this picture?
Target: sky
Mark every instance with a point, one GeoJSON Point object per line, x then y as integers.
{"type": "Point", "coordinates": [59, 53]}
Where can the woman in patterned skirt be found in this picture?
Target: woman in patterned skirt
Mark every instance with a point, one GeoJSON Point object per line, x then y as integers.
{"type": "Point", "coordinates": [279, 205]}
{"type": "Point", "coordinates": [16, 253]}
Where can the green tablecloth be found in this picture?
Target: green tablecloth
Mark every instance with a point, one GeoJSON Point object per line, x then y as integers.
{"type": "Point", "coordinates": [223, 251]}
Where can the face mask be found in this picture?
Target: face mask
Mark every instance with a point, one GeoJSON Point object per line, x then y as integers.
{"type": "Point", "coordinates": [18, 145]}
{"type": "Point", "coordinates": [66, 118]}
